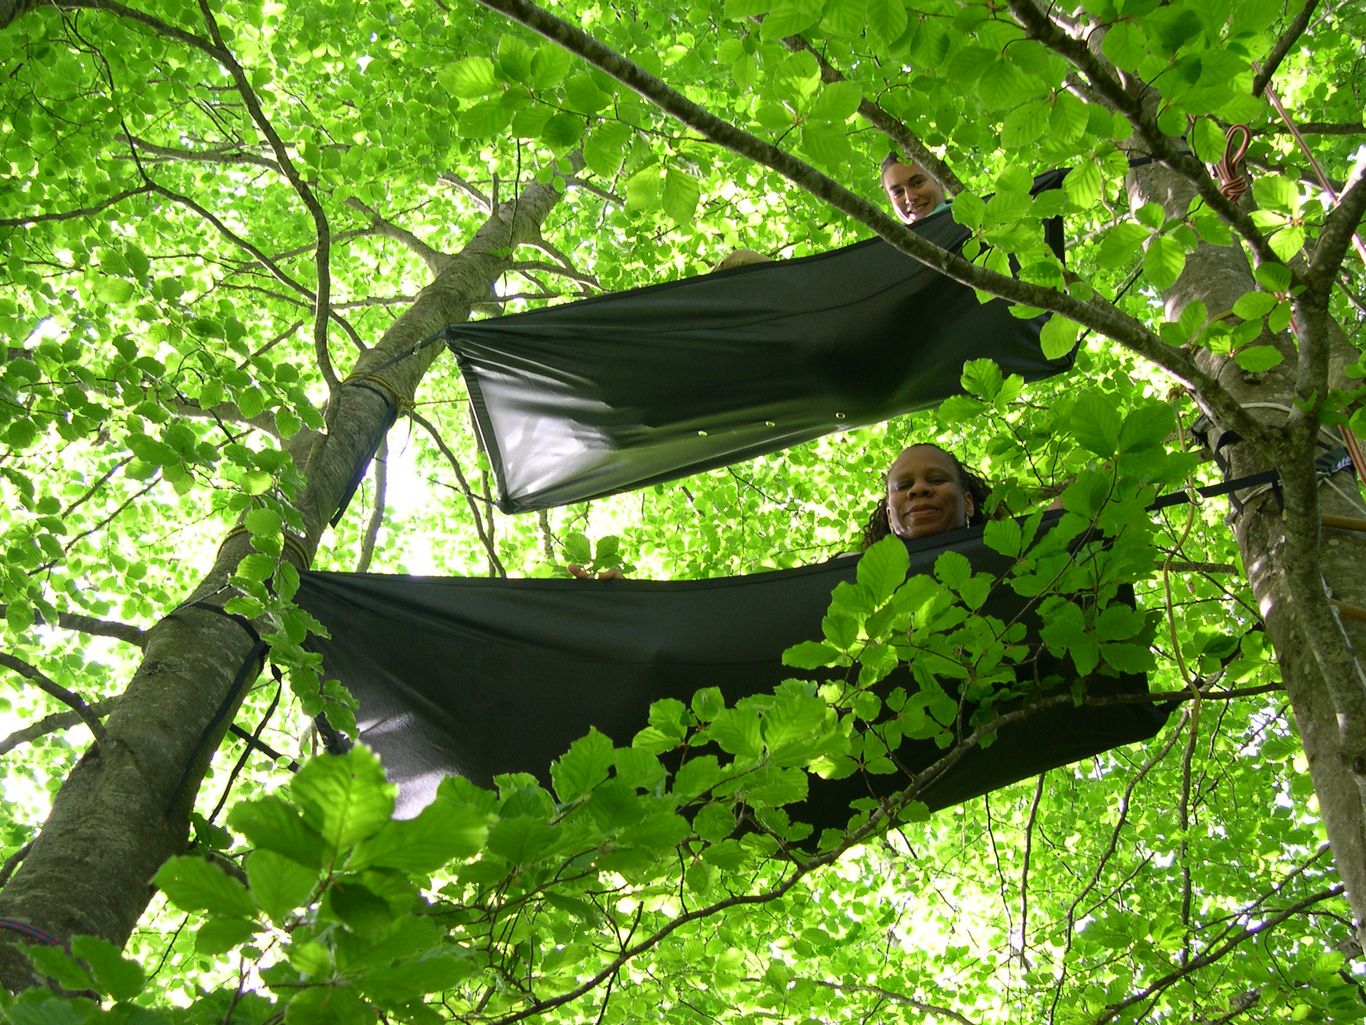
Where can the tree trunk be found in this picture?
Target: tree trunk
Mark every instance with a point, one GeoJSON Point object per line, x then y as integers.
{"type": "Point", "coordinates": [1293, 565]}
{"type": "Point", "coordinates": [125, 807]}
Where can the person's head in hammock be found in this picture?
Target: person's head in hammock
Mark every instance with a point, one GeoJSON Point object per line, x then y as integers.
{"type": "Point", "coordinates": [911, 189]}
{"type": "Point", "coordinates": [928, 492]}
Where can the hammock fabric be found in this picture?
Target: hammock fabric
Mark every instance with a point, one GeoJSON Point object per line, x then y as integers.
{"type": "Point", "coordinates": [478, 677]}
{"type": "Point", "coordinates": [619, 391]}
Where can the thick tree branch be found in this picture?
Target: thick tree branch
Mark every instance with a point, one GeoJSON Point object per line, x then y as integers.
{"type": "Point", "coordinates": [589, 280]}
{"type": "Point", "coordinates": [1283, 45]}
{"type": "Point", "coordinates": [234, 156]}
{"type": "Point", "coordinates": [67, 215]}
{"type": "Point", "coordinates": [894, 128]}
{"type": "Point", "coordinates": [52, 723]}
{"type": "Point", "coordinates": [1338, 228]}
{"type": "Point", "coordinates": [469, 188]}
{"type": "Point", "coordinates": [1159, 145]}
{"type": "Point", "coordinates": [90, 625]}
{"type": "Point", "coordinates": [434, 259]}
{"type": "Point", "coordinates": [1094, 313]}
{"type": "Point", "coordinates": [323, 258]}
{"type": "Point", "coordinates": [49, 686]}
{"type": "Point", "coordinates": [161, 28]}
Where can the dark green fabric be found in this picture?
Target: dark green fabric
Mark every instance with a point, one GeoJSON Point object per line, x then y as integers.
{"type": "Point", "coordinates": [615, 392]}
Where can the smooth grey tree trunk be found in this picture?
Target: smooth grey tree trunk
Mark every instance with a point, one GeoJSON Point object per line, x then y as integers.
{"type": "Point", "coordinates": [1293, 565]}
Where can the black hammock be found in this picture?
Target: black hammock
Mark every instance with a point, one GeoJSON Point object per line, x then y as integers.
{"type": "Point", "coordinates": [477, 677]}
{"type": "Point", "coordinates": [615, 392]}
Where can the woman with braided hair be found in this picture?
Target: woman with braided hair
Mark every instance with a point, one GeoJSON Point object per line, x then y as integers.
{"type": "Point", "coordinates": [928, 492]}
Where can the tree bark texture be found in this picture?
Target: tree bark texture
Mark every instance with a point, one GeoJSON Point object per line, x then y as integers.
{"type": "Point", "coordinates": [1293, 565]}
{"type": "Point", "coordinates": [125, 807]}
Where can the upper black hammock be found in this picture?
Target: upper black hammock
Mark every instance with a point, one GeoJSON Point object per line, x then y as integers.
{"type": "Point", "coordinates": [478, 677]}
{"type": "Point", "coordinates": [619, 391]}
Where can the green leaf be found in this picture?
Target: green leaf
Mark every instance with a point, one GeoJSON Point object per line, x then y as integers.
{"type": "Point", "coordinates": [1096, 423]}
{"type": "Point", "coordinates": [549, 65]}
{"type": "Point", "coordinates": [327, 1005]}
{"type": "Point", "coordinates": [562, 131]}
{"type": "Point", "coordinates": [681, 192]}
{"type": "Point", "coordinates": [837, 101]}
{"type": "Point", "coordinates": [968, 210]}
{"type": "Point", "coordinates": [882, 569]}
{"type": "Point", "coordinates": [1125, 44]}
{"type": "Point", "coordinates": [1288, 242]}
{"type": "Point", "coordinates": [469, 78]}
{"type": "Point", "coordinates": [1274, 277]}
{"type": "Point", "coordinates": [707, 703]}
{"type": "Point", "coordinates": [826, 144]}
{"type": "Point", "coordinates": [1121, 245]}
{"type": "Point", "coordinates": [606, 146]}
{"type": "Point", "coordinates": [642, 189]}
{"type": "Point", "coordinates": [788, 18]}
{"type": "Point", "coordinates": [1276, 193]}
{"type": "Point", "coordinates": [582, 94]}
{"type": "Point", "coordinates": [520, 840]}
{"type": "Point", "coordinates": [812, 655]}
{"type": "Point", "coordinates": [193, 884]}
{"type": "Point", "coordinates": [1058, 336]}
{"type": "Point", "coordinates": [279, 884]}
{"type": "Point", "coordinates": [113, 974]}
{"type": "Point", "coordinates": [448, 828]}
{"type": "Point", "coordinates": [270, 823]}
{"type": "Point", "coordinates": [1256, 359]}
{"type": "Point", "coordinates": [582, 767]}
{"type": "Point", "coordinates": [1083, 185]}
{"type": "Point", "coordinates": [344, 797]}
{"type": "Point", "coordinates": [59, 966]}
{"type": "Point", "coordinates": [359, 907]}
{"type": "Point", "coordinates": [953, 568]}
{"type": "Point", "coordinates": [736, 731]}
{"type": "Point", "coordinates": [219, 935]}
{"type": "Point", "coordinates": [1251, 305]}
{"type": "Point", "coordinates": [514, 58]}
{"type": "Point", "coordinates": [1163, 261]}
{"type": "Point", "coordinates": [886, 20]}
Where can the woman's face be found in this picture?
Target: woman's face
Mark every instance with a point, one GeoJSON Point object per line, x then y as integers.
{"type": "Point", "coordinates": [924, 494]}
{"type": "Point", "coordinates": [913, 192]}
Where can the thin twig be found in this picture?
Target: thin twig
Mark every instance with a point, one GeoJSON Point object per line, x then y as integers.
{"type": "Point", "coordinates": [52, 723]}
{"type": "Point", "coordinates": [484, 536]}
{"type": "Point", "coordinates": [66, 215]}
{"type": "Point", "coordinates": [49, 686]}
{"type": "Point", "coordinates": [367, 544]}
{"type": "Point", "coordinates": [322, 262]}
{"type": "Point", "coordinates": [1288, 39]}
{"type": "Point", "coordinates": [12, 862]}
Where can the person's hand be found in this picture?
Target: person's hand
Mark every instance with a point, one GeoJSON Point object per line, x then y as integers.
{"type": "Point", "coordinates": [606, 574]}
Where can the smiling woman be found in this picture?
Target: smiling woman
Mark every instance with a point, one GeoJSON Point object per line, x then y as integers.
{"type": "Point", "coordinates": [912, 191]}
{"type": "Point", "coordinates": [928, 492]}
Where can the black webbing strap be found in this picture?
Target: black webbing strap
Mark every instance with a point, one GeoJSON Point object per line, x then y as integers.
{"type": "Point", "coordinates": [250, 668]}
{"type": "Point", "coordinates": [376, 385]}
{"type": "Point", "coordinates": [1226, 487]}
{"type": "Point", "coordinates": [257, 744]}
{"type": "Point", "coordinates": [1327, 463]}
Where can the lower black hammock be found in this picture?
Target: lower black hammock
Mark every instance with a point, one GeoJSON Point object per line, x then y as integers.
{"type": "Point", "coordinates": [615, 392]}
{"type": "Point", "coordinates": [477, 677]}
